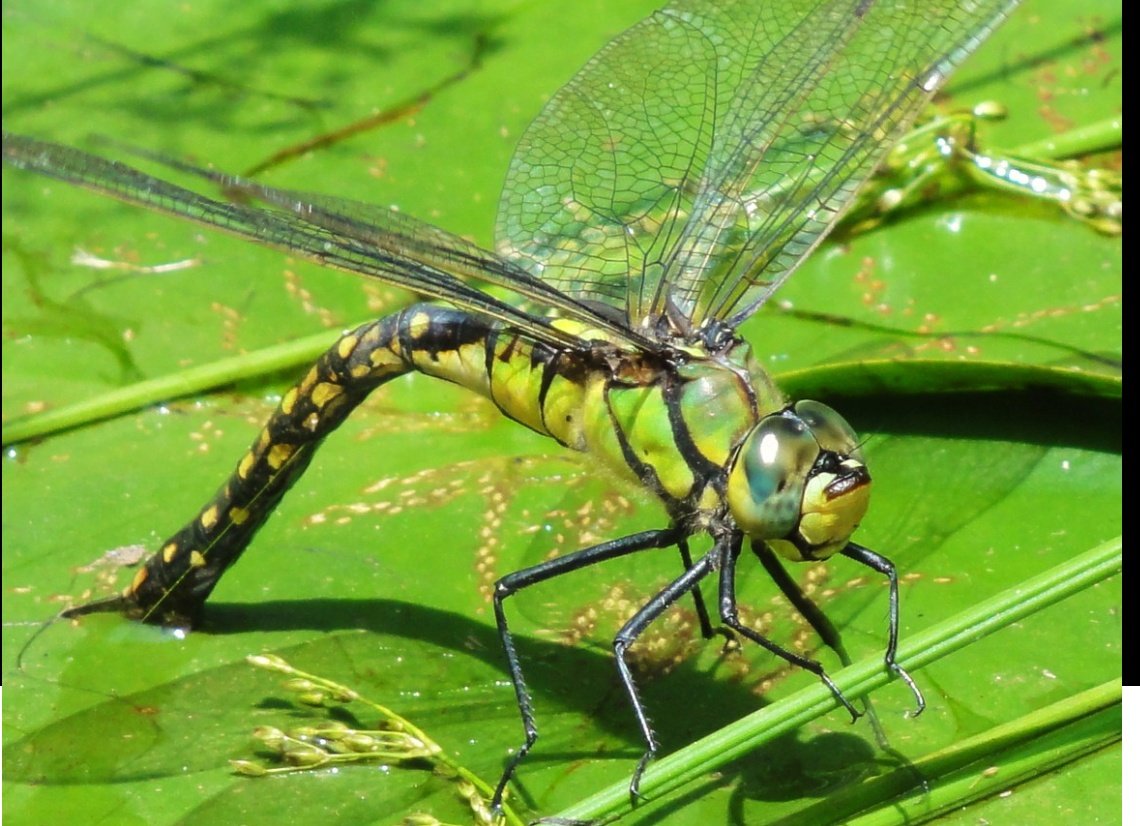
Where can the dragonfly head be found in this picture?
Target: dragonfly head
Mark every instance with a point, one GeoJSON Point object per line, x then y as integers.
{"type": "Point", "coordinates": [799, 482]}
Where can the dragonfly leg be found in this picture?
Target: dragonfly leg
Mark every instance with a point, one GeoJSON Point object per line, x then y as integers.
{"type": "Point", "coordinates": [877, 562]}
{"type": "Point", "coordinates": [819, 623]}
{"type": "Point", "coordinates": [707, 630]}
{"type": "Point", "coordinates": [730, 616]}
{"type": "Point", "coordinates": [515, 582]}
{"type": "Point", "coordinates": [800, 601]}
{"type": "Point", "coordinates": [631, 631]}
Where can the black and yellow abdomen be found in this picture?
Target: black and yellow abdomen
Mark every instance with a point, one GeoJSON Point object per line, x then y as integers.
{"type": "Point", "coordinates": [671, 423]}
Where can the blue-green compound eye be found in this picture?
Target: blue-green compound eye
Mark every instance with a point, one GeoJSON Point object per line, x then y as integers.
{"type": "Point", "coordinates": [830, 429]}
{"type": "Point", "coordinates": [780, 492]}
{"type": "Point", "coordinates": [766, 486]}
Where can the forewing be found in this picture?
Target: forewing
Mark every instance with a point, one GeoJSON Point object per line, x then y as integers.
{"type": "Point", "coordinates": [694, 162]}
{"type": "Point", "coordinates": [347, 235]}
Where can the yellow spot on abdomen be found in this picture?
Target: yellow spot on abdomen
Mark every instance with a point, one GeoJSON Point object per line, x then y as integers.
{"type": "Point", "coordinates": [325, 392]}
{"type": "Point", "coordinates": [419, 324]}
{"type": "Point", "coordinates": [209, 517]}
{"type": "Point", "coordinates": [137, 582]}
{"type": "Point", "coordinates": [197, 560]}
{"type": "Point", "coordinates": [279, 454]}
{"type": "Point", "coordinates": [309, 380]}
{"type": "Point", "coordinates": [169, 551]}
{"type": "Point", "coordinates": [345, 346]}
{"type": "Point", "coordinates": [238, 515]}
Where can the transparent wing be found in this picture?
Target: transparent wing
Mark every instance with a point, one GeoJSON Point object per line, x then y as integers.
{"type": "Point", "coordinates": [693, 163]}
{"type": "Point", "coordinates": [336, 232]}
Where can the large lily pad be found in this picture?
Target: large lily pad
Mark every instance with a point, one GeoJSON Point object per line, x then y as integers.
{"type": "Point", "coordinates": [375, 570]}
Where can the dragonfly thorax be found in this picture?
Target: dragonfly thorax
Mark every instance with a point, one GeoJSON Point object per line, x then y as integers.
{"type": "Point", "coordinates": [799, 482]}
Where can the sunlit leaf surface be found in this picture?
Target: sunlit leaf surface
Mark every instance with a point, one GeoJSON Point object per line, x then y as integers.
{"type": "Point", "coordinates": [376, 570]}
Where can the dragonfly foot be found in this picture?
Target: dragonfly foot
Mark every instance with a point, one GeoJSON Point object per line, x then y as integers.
{"type": "Point", "coordinates": [854, 712]}
{"type": "Point", "coordinates": [904, 675]}
{"type": "Point", "coordinates": [635, 795]}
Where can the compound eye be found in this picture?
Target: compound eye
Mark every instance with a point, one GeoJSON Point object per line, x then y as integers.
{"type": "Point", "coordinates": [830, 429]}
{"type": "Point", "coordinates": [766, 485]}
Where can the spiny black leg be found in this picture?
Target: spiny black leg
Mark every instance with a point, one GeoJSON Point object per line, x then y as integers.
{"type": "Point", "coordinates": [630, 632]}
{"type": "Point", "coordinates": [707, 630]}
{"type": "Point", "coordinates": [866, 556]}
{"type": "Point", "coordinates": [807, 609]}
{"type": "Point", "coordinates": [831, 638]}
{"type": "Point", "coordinates": [731, 618]}
{"type": "Point", "coordinates": [819, 623]}
{"type": "Point", "coordinates": [512, 583]}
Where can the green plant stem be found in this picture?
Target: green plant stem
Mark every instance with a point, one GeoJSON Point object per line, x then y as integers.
{"type": "Point", "coordinates": [1102, 136]}
{"type": "Point", "coordinates": [268, 360]}
{"type": "Point", "coordinates": [980, 766]}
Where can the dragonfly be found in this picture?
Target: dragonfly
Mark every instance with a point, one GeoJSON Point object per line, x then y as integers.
{"type": "Point", "coordinates": [659, 199]}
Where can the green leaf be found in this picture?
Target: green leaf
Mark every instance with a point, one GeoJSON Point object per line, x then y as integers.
{"type": "Point", "coordinates": [975, 340]}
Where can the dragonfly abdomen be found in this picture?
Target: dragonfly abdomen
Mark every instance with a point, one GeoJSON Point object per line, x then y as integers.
{"type": "Point", "coordinates": [175, 582]}
{"type": "Point", "coordinates": [529, 382]}
{"type": "Point", "coordinates": [670, 424]}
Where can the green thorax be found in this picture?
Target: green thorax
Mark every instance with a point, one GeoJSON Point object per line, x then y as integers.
{"type": "Point", "coordinates": [672, 421]}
